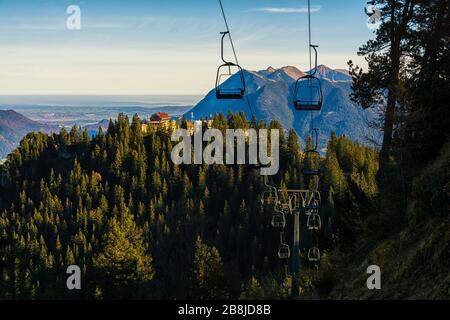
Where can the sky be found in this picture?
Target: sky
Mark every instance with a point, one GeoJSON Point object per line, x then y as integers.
{"type": "Point", "coordinates": [168, 47]}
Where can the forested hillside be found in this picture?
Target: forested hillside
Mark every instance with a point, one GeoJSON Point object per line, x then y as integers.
{"type": "Point", "coordinates": [412, 247]}
{"type": "Point", "coordinates": [407, 232]}
{"type": "Point", "coordinates": [141, 227]}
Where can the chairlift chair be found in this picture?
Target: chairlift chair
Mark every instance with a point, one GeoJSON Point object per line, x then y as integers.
{"type": "Point", "coordinates": [314, 222]}
{"type": "Point", "coordinates": [314, 254]}
{"type": "Point", "coordinates": [312, 203]}
{"type": "Point", "coordinates": [284, 200]}
{"type": "Point", "coordinates": [313, 206]}
{"type": "Point", "coordinates": [311, 171]}
{"type": "Point", "coordinates": [285, 207]}
{"type": "Point", "coordinates": [270, 195]}
{"type": "Point", "coordinates": [268, 198]}
{"type": "Point", "coordinates": [317, 198]}
{"type": "Point", "coordinates": [278, 220]}
{"type": "Point", "coordinates": [227, 89]}
{"type": "Point", "coordinates": [283, 251]}
{"type": "Point", "coordinates": [308, 94]}
{"type": "Point", "coordinates": [315, 203]}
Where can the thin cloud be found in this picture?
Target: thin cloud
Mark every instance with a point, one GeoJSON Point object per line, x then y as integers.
{"type": "Point", "coordinates": [106, 25]}
{"type": "Point", "coordinates": [28, 27]}
{"type": "Point", "coordinates": [287, 10]}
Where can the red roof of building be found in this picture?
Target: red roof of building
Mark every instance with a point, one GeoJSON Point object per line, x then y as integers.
{"type": "Point", "coordinates": [159, 116]}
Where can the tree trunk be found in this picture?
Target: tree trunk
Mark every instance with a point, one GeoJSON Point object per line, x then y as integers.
{"type": "Point", "coordinates": [389, 114]}
{"type": "Point", "coordinates": [397, 34]}
{"type": "Point", "coordinates": [388, 129]}
{"type": "Point", "coordinates": [430, 56]}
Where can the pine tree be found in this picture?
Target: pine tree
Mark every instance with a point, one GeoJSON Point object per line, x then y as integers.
{"type": "Point", "coordinates": [123, 265]}
{"type": "Point", "coordinates": [209, 278]}
{"type": "Point", "coordinates": [253, 290]}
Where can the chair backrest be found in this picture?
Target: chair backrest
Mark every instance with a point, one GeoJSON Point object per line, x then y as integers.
{"type": "Point", "coordinates": [314, 254]}
{"type": "Point", "coordinates": [308, 94]}
{"type": "Point", "coordinates": [227, 89]}
{"type": "Point", "coordinates": [278, 220]}
{"type": "Point", "coordinates": [284, 252]}
{"type": "Point", "coordinates": [233, 91]}
{"type": "Point", "coordinates": [314, 222]}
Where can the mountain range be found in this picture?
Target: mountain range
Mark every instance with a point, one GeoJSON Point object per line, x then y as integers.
{"type": "Point", "coordinates": [14, 126]}
{"type": "Point", "coordinates": [270, 95]}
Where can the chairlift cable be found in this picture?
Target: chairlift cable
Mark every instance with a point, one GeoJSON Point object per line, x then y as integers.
{"type": "Point", "coordinates": [228, 30]}
{"type": "Point", "coordinates": [305, 101]}
{"type": "Point", "coordinates": [309, 34]}
{"type": "Point", "coordinates": [310, 61]}
{"type": "Point", "coordinates": [236, 58]}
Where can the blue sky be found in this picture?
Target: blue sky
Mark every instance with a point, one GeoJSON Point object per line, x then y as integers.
{"type": "Point", "coordinates": [164, 46]}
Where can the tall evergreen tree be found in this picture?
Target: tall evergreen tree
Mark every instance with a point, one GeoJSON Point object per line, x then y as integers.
{"type": "Point", "coordinates": [124, 266]}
